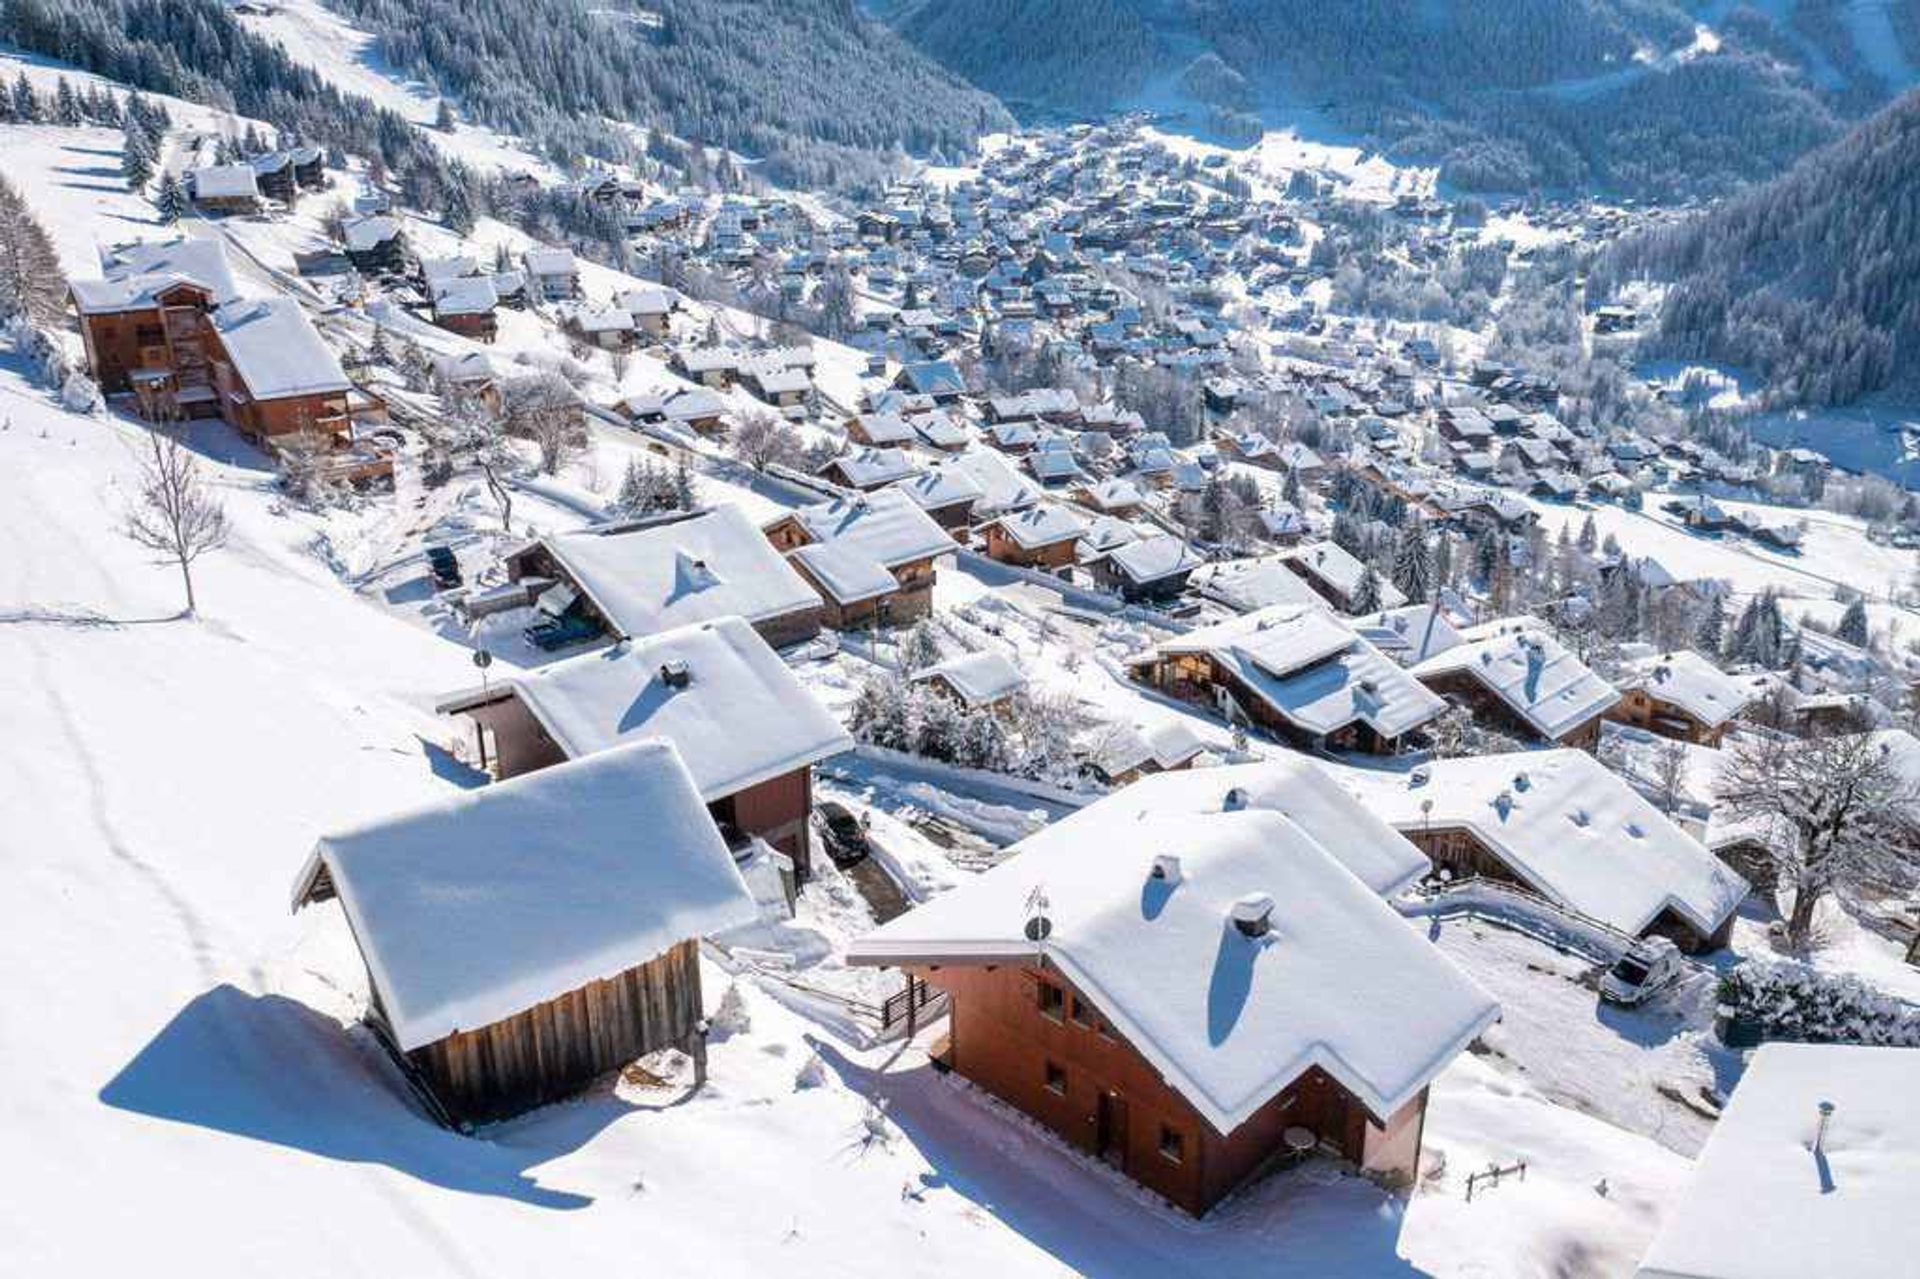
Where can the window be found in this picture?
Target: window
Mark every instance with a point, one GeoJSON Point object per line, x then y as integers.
{"type": "Point", "coordinates": [1052, 1001]}
{"type": "Point", "coordinates": [1056, 1079]}
{"type": "Point", "coordinates": [1173, 1144]}
{"type": "Point", "coordinates": [1082, 1015]}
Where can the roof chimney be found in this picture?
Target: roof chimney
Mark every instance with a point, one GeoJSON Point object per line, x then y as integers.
{"type": "Point", "coordinates": [1166, 868]}
{"type": "Point", "coordinates": [1820, 1129]}
{"type": "Point", "coordinates": [1236, 800]}
{"type": "Point", "coordinates": [675, 674]}
{"type": "Point", "coordinates": [1253, 914]}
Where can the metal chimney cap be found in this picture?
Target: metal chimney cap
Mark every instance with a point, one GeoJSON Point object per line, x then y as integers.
{"type": "Point", "coordinates": [1253, 914]}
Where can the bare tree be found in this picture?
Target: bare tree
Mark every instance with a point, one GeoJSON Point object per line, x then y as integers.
{"type": "Point", "coordinates": [176, 515]}
{"type": "Point", "coordinates": [546, 411]}
{"type": "Point", "coordinates": [1838, 815]}
{"type": "Point", "coordinates": [1670, 775]}
{"type": "Point", "coordinates": [762, 439]}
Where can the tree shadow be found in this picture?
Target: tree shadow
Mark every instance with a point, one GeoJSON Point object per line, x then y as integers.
{"type": "Point", "coordinates": [271, 1069]}
{"type": "Point", "coordinates": [95, 186]}
{"type": "Point", "coordinates": [88, 170]}
{"type": "Point", "coordinates": [82, 619]}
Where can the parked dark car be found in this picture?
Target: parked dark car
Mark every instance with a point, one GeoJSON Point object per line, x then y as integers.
{"type": "Point", "coordinates": [444, 567]}
{"type": "Point", "coordinates": [846, 837]}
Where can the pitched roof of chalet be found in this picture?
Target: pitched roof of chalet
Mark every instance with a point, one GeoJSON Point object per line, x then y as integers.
{"type": "Point", "coordinates": [1249, 584]}
{"type": "Point", "coordinates": [483, 904]}
{"type": "Point", "coordinates": [885, 526]}
{"type": "Point", "coordinates": [979, 678]}
{"type": "Point", "coordinates": [1409, 634]}
{"type": "Point", "coordinates": [1692, 683]}
{"type": "Point", "coordinates": [741, 717]}
{"type": "Point", "coordinates": [1569, 827]}
{"type": "Point", "coordinates": [276, 350]}
{"type": "Point", "coordinates": [1530, 671]}
{"type": "Point", "coordinates": [1153, 559]}
{"type": "Point", "coordinates": [1336, 566]}
{"type": "Point", "coordinates": [867, 467]}
{"type": "Point", "coordinates": [1313, 670]}
{"type": "Point", "coordinates": [1003, 487]}
{"type": "Point", "coordinates": [1762, 1204]}
{"type": "Point", "coordinates": [1166, 744]}
{"type": "Point", "coordinates": [1039, 526]}
{"type": "Point", "coordinates": [940, 486]}
{"type": "Point", "coordinates": [223, 181]}
{"type": "Point", "coordinates": [846, 574]}
{"type": "Point", "coordinates": [465, 295]}
{"type": "Point", "coordinates": [711, 564]}
{"type": "Point", "coordinates": [1341, 981]}
{"type": "Point", "coordinates": [134, 275]}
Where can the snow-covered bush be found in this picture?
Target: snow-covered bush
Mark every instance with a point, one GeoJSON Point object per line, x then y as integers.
{"type": "Point", "coordinates": [79, 393]}
{"type": "Point", "coordinates": [1793, 1002]}
{"type": "Point", "coordinates": [731, 1017]}
{"type": "Point", "coordinates": [1032, 736]}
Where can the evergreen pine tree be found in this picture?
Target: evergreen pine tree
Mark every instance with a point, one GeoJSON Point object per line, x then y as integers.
{"type": "Point", "coordinates": [136, 161]}
{"type": "Point", "coordinates": [1291, 489]}
{"type": "Point", "coordinates": [1853, 623]}
{"type": "Point", "coordinates": [1366, 597]}
{"type": "Point", "coordinates": [32, 283]}
{"type": "Point", "coordinates": [171, 201]}
{"type": "Point", "coordinates": [443, 118]}
{"type": "Point", "coordinates": [379, 351]}
{"type": "Point", "coordinates": [26, 103]}
{"type": "Point", "coordinates": [66, 105]}
{"type": "Point", "coordinates": [1413, 570]}
{"type": "Point", "coordinates": [1711, 636]}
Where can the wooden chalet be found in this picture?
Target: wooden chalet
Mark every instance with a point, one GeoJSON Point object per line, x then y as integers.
{"type": "Point", "coordinates": [1195, 989]}
{"type": "Point", "coordinates": [498, 990]}
{"type": "Point", "coordinates": [849, 548]}
{"type": "Point", "coordinates": [1682, 696]}
{"type": "Point", "coordinates": [1042, 537]}
{"type": "Point", "coordinates": [1518, 676]}
{"type": "Point", "coordinates": [748, 731]}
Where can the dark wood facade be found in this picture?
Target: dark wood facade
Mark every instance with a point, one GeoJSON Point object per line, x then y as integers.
{"type": "Point", "coordinates": [512, 741]}
{"type": "Point", "coordinates": [555, 1049]}
{"type": "Point", "coordinates": [1060, 1061]}
{"type": "Point", "coordinates": [1002, 548]}
{"type": "Point", "coordinates": [1200, 679]}
{"type": "Point", "coordinates": [1489, 707]}
{"type": "Point", "coordinates": [1642, 709]}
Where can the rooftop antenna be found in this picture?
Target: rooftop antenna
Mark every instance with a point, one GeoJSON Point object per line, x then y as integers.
{"type": "Point", "coordinates": [483, 659]}
{"type": "Point", "coordinates": [1039, 926]}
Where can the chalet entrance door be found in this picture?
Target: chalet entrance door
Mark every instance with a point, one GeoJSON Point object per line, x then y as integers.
{"type": "Point", "coordinates": [1110, 1130]}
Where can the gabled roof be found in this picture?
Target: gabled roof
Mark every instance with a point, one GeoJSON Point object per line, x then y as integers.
{"type": "Point", "coordinates": [741, 718]}
{"type": "Point", "coordinates": [1692, 683]}
{"type": "Point", "coordinates": [885, 526]}
{"type": "Point", "coordinates": [136, 274]}
{"type": "Point", "coordinates": [869, 467]}
{"type": "Point", "coordinates": [708, 565]}
{"type": "Point", "coordinates": [276, 350]}
{"type": "Point", "coordinates": [479, 906]}
{"type": "Point", "coordinates": [1313, 670]}
{"type": "Point", "coordinates": [1763, 1205]}
{"type": "Point", "coordinates": [1337, 567]}
{"type": "Point", "coordinates": [940, 486]}
{"type": "Point", "coordinates": [1165, 743]}
{"type": "Point", "coordinates": [1570, 828]}
{"type": "Point", "coordinates": [1040, 526]}
{"type": "Point", "coordinates": [1341, 981]}
{"type": "Point", "coordinates": [846, 574]}
{"type": "Point", "coordinates": [1532, 673]}
{"type": "Point", "coordinates": [1251, 584]}
{"type": "Point", "coordinates": [1002, 486]}
{"type": "Point", "coordinates": [1153, 559]}
{"type": "Point", "coordinates": [979, 678]}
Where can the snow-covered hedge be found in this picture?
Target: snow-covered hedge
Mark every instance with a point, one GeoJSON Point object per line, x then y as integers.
{"type": "Point", "coordinates": [1791, 1001]}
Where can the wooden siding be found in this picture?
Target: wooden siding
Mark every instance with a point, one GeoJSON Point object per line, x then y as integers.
{"type": "Point", "coordinates": [1113, 1104]}
{"type": "Point", "coordinates": [555, 1049]}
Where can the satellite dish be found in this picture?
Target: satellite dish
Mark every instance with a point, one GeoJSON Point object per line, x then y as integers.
{"type": "Point", "coordinates": [1038, 928]}
{"type": "Point", "coordinates": [482, 658]}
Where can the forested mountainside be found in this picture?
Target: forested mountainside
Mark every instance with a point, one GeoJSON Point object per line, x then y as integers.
{"type": "Point", "coordinates": [777, 80]}
{"type": "Point", "coordinates": [1652, 97]}
{"type": "Point", "coordinates": [804, 83]}
{"type": "Point", "coordinates": [1813, 279]}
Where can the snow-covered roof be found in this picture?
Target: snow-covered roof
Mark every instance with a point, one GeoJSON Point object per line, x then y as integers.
{"type": "Point", "coordinates": [276, 350]}
{"type": "Point", "coordinates": [844, 572]}
{"type": "Point", "coordinates": [543, 260]}
{"type": "Point", "coordinates": [481, 905]}
{"type": "Point", "coordinates": [1334, 565]}
{"type": "Point", "coordinates": [1572, 830]}
{"type": "Point", "coordinates": [223, 181]}
{"type": "Point", "coordinates": [886, 428]}
{"type": "Point", "coordinates": [1532, 673]}
{"type": "Point", "coordinates": [464, 295]}
{"type": "Point", "coordinates": [1314, 670]}
{"type": "Point", "coordinates": [1107, 495]}
{"type": "Point", "coordinates": [1165, 743]}
{"type": "Point", "coordinates": [366, 234]}
{"type": "Point", "coordinates": [741, 718]}
{"type": "Point", "coordinates": [939, 430]}
{"type": "Point", "coordinates": [712, 564]}
{"type": "Point", "coordinates": [1251, 584]}
{"type": "Point", "coordinates": [885, 526]}
{"type": "Point", "coordinates": [940, 486]}
{"type": "Point", "coordinates": [1002, 486]}
{"type": "Point", "coordinates": [646, 300]}
{"type": "Point", "coordinates": [871, 467]}
{"type": "Point", "coordinates": [134, 274]}
{"type": "Point", "coordinates": [1764, 1205]}
{"type": "Point", "coordinates": [1341, 981]}
{"type": "Point", "coordinates": [1409, 634]}
{"type": "Point", "coordinates": [979, 678]}
{"type": "Point", "coordinates": [1153, 558]}
{"type": "Point", "coordinates": [1041, 526]}
{"type": "Point", "coordinates": [1692, 683]}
